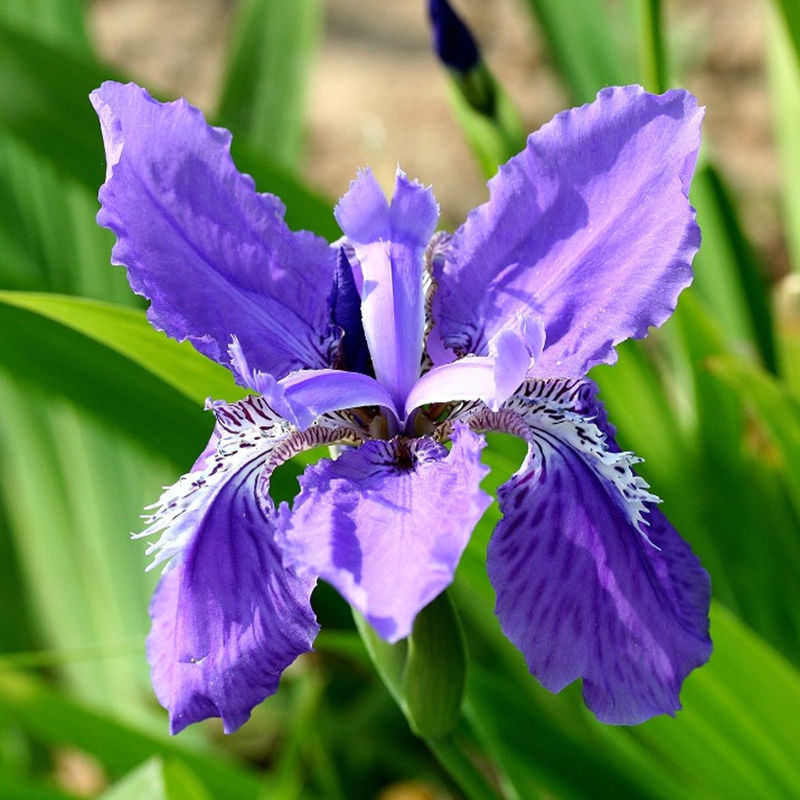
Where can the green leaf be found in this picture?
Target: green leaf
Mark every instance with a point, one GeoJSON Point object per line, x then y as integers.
{"type": "Point", "coordinates": [738, 727]}
{"type": "Point", "coordinates": [74, 363]}
{"type": "Point", "coordinates": [783, 63]}
{"type": "Point", "coordinates": [584, 46]}
{"type": "Point", "coordinates": [60, 22]}
{"type": "Point", "coordinates": [790, 12]}
{"type": "Point", "coordinates": [73, 495]}
{"type": "Point", "coordinates": [264, 93]}
{"type": "Point", "coordinates": [49, 108]}
{"type": "Point", "coordinates": [48, 237]}
{"type": "Point", "coordinates": [15, 788]}
{"type": "Point", "coordinates": [777, 410]}
{"type": "Point", "coordinates": [56, 719]}
{"type": "Point", "coordinates": [128, 333]}
{"type": "Point", "coordinates": [158, 780]}
{"type": "Point", "coordinates": [727, 272]}
{"type": "Point", "coordinates": [653, 47]}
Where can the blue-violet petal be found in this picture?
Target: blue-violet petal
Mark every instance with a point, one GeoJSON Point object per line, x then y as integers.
{"type": "Point", "coordinates": [591, 579]}
{"type": "Point", "coordinates": [589, 227]}
{"type": "Point", "coordinates": [386, 524]}
{"type": "Point", "coordinates": [214, 257]}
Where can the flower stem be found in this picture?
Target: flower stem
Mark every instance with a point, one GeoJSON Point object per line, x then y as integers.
{"type": "Point", "coordinates": [653, 51]}
{"type": "Point", "coordinates": [451, 754]}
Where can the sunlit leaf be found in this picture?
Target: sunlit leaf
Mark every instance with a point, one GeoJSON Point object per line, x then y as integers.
{"type": "Point", "coordinates": [584, 45]}
{"type": "Point", "coordinates": [60, 360]}
{"type": "Point", "coordinates": [783, 62]}
{"type": "Point", "coordinates": [60, 22]}
{"type": "Point", "coordinates": [265, 87]}
{"type": "Point", "coordinates": [158, 780]}
{"type": "Point", "coordinates": [739, 722]}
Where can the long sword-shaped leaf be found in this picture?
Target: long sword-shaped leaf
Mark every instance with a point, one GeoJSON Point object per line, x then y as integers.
{"type": "Point", "coordinates": [737, 733]}
{"type": "Point", "coordinates": [56, 719]}
{"type": "Point", "coordinates": [158, 779]}
{"type": "Point", "coordinates": [265, 87]}
{"type": "Point", "coordinates": [49, 110]}
{"type": "Point", "coordinates": [58, 21]}
{"type": "Point", "coordinates": [108, 360]}
{"type": "Point", "coordinates": [783, 61]}
{"type": "Point", "coordinates": [790, 12]}
{"type": "Point", "coordinates": [72, 495]}
{"type": "Point", "coordinates": [776, 409]}
{"type": "Point", "coordinates": [727, 272]}
{"type": "Point", "coordinates": [584, 46]}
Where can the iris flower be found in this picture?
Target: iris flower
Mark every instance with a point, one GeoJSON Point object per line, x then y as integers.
{"type": "Point", "coordinates": [389, 344]}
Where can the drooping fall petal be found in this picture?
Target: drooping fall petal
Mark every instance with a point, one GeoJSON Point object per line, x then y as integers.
{"type": "Point", "coordinates": [387, 523]}
{"type": "Point", "coordinates": [591, 579]}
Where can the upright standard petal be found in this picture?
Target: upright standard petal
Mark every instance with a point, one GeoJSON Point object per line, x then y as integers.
{"type": "Point", "coordinates": [214, 257]}
{"type": "Point", "coordinates": [590, 227]}
{"type": "Point", "coordinates": [592, 581]}
{"type": "Point", "coordinates": [387, 523]}
{"type": "Point", "coordinates": [389, 242]}
{"type": "Point", "coordinates": [227, 616]}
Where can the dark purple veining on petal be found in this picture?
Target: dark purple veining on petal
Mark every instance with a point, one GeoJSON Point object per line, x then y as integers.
{"type": "Point", "coordinates": [582, 588]}
{"type": "Point", "coordinates": [230, 617]}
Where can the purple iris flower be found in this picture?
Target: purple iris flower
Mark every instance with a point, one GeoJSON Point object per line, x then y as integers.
{"type": "Point", "coordinates": [389, 343]}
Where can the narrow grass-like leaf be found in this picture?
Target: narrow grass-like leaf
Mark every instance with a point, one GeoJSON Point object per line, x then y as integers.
{"type": "Point", "coordinates": [727, 273]}
{"type": "Point", "coordinates": [60, 22]}
{"type": "Point", "coordinates": [64, 362]}
{"type": "Point", "coordinates": [790, 11]}
{"type": "Point", "coordinates": [55, 719]}
{"type": "Point", "coordinates": [49, 107]}
{"type": "Point", "coordinates": [127, 332]}
{"type": "Point", "coordinates": [48, 237]}
{"type": "Point", "coordinates": [652, 46]}
{"type": "Point", "coordinates": [737, 733]}
{"type": "Point", "coordinates": [157, 779]}
{"type": "Point", "coordinates": [73, 495]}
{"type": "Point", "coordinates": [50, 111]}
{"type": "Point", "coordinates": [584, 46]}
{"type": "Point", "coordinates": [777, 412]}
{"type": "Point", "coordinates": [783, 62]}
{"type": "Point", "coordinates": [16, 788]}
{"type": "Point", "coordinates": [264, 92]}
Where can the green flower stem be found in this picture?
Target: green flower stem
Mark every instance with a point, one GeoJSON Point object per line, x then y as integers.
{"type": "Point", "coordinates": [653, 51]}
{"type": "Point", "coordinates": [451, 753]}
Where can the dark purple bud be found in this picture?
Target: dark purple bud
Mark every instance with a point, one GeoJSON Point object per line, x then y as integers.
{"type": "Point", "coordinates": [451, 37]}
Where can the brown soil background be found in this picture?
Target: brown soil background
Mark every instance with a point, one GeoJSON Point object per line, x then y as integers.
{"type": "Point", "coordinates": [378, 97]}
